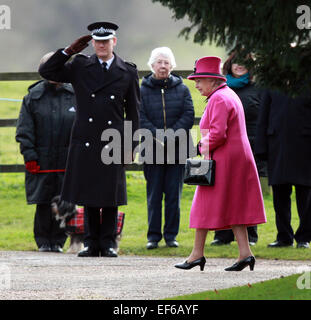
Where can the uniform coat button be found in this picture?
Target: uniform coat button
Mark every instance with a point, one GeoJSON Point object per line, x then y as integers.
{"type": "Point", "coordinates": [93, 95]}
{"type": "Point", "coordinates": [109, 122]}
{"type": "Point", "coordinates": [111, 97]}
{"type": "Point", "coordinates": [87, 144]}
{"type": "Point", "coordinates": [90, 119]}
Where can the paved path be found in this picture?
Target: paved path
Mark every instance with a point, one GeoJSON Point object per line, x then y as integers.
{"type": "Point", "coordinates": [34, 275]}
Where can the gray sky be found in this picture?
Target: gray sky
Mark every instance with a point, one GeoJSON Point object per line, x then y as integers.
{"type": "Point", "coordinates": [40, 26]}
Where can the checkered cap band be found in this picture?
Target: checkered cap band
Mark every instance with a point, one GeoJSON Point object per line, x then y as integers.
{"type": "Point", "coordinates": [102, 31]}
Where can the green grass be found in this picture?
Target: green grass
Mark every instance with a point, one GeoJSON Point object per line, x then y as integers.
{"type": "Point", "coordinates": [284, 288]}
{"type": "Point", "coordinates": [16, 224]}
{"type": "Point", "coordinates": [12, 90]}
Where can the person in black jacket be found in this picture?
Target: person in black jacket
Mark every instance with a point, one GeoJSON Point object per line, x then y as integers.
{"type": "Point", "coordinates": [239, 79]}
{"type": "Point", "coordinates": [43, 131]}
{"type": "Point", "coordinates": [166, 106]}
{"type": "Point", "coordinates": [108, 97]}
{"type": "Point", "coordinates": [284, 139]}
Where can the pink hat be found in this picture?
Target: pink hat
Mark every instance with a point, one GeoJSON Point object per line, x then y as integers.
{"type": "Point", "coordinates": [207, 67]}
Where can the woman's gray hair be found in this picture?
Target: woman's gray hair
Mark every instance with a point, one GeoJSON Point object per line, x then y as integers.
{"type": "Point", "coordinates": [218, 82]}
{"type": "Point", "coordinates": [161, 51]}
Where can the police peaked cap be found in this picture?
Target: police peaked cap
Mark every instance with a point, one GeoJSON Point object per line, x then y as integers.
{"type": "Point", "coordinates": [103, 30]}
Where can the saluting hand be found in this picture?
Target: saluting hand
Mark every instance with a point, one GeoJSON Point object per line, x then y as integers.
{"type": "Point", "coordinates": [78, 45]}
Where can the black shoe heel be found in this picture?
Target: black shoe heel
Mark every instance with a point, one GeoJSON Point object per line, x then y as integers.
{"type": "Point", "coordinates": [240, 265]}
{"type": "Point", "coordinates": [189, 265]}
{"type": "Point", "coordinates": [202, 265]}
{"type": "Point", "coordinates": [252, 264]}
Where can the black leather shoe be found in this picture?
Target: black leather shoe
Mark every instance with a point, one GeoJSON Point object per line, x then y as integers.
{"type": "Point", "coordinates": [279, 244]}
{"type": "Point", "coordinates": [189, 265]}
{"type": "Point", "coordinates": [152, 245]}
{"type": "Point", "coordinates": [172, 244]}
{"type": "Point", "coordinates": [45, 248]}
{"type": "Point", "coordinates": [109, 252]}
{"type": "Point", "coordinates": [88, 252]}
{"type": "Point", "coordinates": [240, 265]}
{"type": "Point", "coordinates": [56, 248]}
{"type": "Point", "coordinates": [218, 242]}
{"type": "Point", "coordinates": [305, 245]}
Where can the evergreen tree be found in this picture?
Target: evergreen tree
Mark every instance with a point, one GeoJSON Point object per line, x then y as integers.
{"type": "Point", "coordinates": [277, 32]}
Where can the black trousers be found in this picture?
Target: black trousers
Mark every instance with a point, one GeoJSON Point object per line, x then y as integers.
{"type": "Point", "coordinates": [282, 206]}
{"type": "Point", "coordinates": [46, 228]}
{"type": "Point", "coordinates": [164, 179]}
{"type": "Point", "coordinates": [227, 236]}
{"type": "Point", "coordinates": [100, 226]}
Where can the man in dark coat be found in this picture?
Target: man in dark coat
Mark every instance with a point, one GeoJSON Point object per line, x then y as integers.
{"type": "Point", "coordinates": [106, 87]}
{"type": "Point", "coordinates": [284, 139]}
{"type": "Point", "coordinates": [43, 131]}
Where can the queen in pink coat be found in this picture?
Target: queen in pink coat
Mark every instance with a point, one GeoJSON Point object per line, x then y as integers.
{"type": "Point", "coordinates": [235, 201]}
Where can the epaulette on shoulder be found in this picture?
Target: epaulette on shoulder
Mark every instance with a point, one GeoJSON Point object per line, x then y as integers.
{"type": "Point", "coordinates": [131, 64]}
{"type": "Point", "coordinates": [82, 55]}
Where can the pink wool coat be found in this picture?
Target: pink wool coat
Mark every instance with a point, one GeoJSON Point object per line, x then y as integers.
{"type": "Point", "coordinates": [236, 197]}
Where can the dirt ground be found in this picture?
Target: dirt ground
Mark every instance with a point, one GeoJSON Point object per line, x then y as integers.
{"type": "Point", "coordinates": [57, 276]}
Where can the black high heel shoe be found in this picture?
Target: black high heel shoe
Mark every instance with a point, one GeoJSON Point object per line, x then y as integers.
{"type": "Point", "coordinates": [240, 265]}
{"type": "Point", "coordinates": [189, 265]}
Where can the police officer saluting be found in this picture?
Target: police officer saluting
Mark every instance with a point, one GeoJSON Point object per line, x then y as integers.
{"type": "Point", "coordinates": [107, 93]}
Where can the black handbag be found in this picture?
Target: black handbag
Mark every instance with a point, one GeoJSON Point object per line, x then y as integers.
{"type": "Point", "coordinates": [200, 172]}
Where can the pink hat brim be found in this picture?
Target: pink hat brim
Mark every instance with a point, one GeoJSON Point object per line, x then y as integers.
{"type": "Point", "coordinates": [193, 76]}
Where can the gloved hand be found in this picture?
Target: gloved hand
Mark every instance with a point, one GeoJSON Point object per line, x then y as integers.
{"type": "Point", "coordinates": [32, 166]}
{"type": "Point", "coordinates": [78, 45]}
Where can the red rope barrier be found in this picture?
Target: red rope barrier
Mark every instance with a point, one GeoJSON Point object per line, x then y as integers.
{"type": "Point", "coordinates": [48, 171]}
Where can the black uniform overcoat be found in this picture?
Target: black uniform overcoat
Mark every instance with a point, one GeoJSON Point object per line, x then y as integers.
{"type": "Point", "coordinates": [284, 138]}
{"type": "Point", "coordinates": [43, 131]}
{"type": "Point", "coordinates": [104, 101]}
